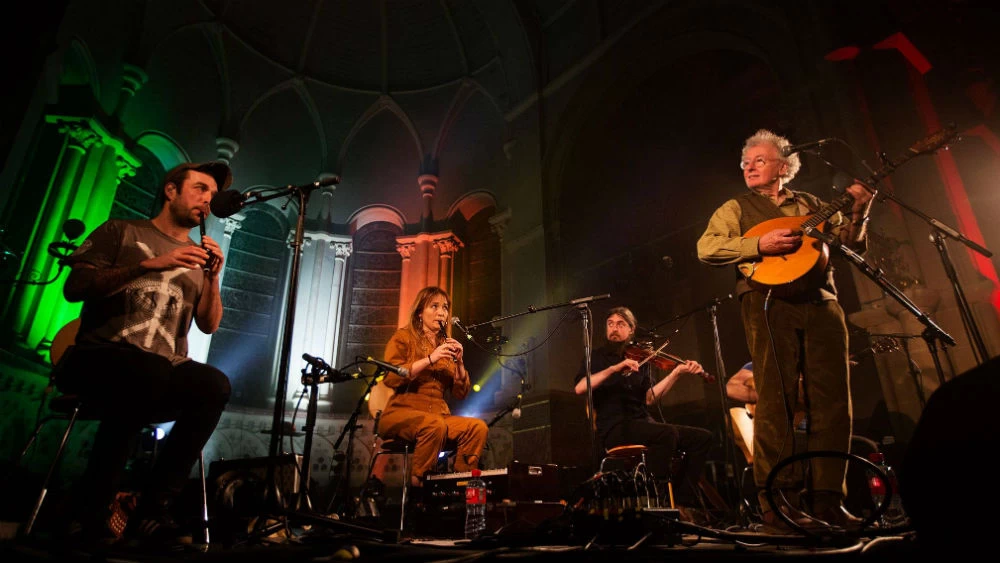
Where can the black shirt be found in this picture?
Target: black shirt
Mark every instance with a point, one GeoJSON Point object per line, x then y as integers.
{"type": "Point", "coordinates": [619, 397]}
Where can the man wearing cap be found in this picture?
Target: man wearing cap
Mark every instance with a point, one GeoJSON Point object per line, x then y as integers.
{"type": "Point", "coordinates": [142, 282]}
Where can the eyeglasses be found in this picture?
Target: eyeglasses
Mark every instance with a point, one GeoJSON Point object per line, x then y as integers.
{"type": "Point", "coordinates": [757, 162]}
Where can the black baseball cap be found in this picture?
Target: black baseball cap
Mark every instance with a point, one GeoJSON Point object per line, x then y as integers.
{"type": "Point", "coordinates": [217, 169]}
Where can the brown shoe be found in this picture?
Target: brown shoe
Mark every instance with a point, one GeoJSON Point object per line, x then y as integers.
{"type": "Point", "coordinates": [840, 517]}
{"type": "Point", "coordinates": [776, 525]}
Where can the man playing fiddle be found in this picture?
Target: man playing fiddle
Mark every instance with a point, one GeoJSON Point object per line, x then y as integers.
{"type": "Point", "coordinates": [622, 390]}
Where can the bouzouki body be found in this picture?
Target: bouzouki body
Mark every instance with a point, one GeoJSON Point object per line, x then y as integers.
{"type": "Point", "coordinates": [783, 270]}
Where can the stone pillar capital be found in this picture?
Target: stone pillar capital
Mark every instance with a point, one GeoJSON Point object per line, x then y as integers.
{"type": "Point", "coordinates": [448, 245]}
{"type": "Point", "coordinates": [232, 224]}
{"type": "Point", "coordinates": [406, 249]}
{"type": "Point", "coordinates": [342, 250]}
{"type": "Point", "coordinates": [499, 222]}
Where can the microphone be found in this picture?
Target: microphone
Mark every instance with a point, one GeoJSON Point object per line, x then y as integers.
{"type": "Point", "coordinates": [455, 321]}
{"type": "Point", "coordinates": [398, 370]}
{"type": "Point", "coordinates": [589, 299]}
{"type": "Point", "coordinates": [327, 373]}
{"type": "Point", "coordinates": [226, 203]}
{"type": "Point", "coordinates": [73, 228]}
{"type": "Point", "coordinates": [319, 363]}
{"type": "Point", "coordinates": [229, 202]}
{"type": "Point", "coordinates": [792, 149]}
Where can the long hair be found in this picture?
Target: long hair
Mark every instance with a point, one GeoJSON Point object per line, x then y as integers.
{"type": "Point", "coordinates": [625, 313]}
{"type": "Point", "coordinates": [420, 303]}
{"type": "Point", "coordinates": [766, 136]}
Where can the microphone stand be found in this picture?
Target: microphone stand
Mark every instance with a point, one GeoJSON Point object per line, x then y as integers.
{"type": "Point", "coordinates": [272, 497]}
{"type": "Point", "coordinates": [303, 504]}
{"type": "Point", "coordinates": [932, 332]}
{"type": "Point", "coordinates": [514, 404]}
{"type": "Point", "coordinates": [703, 306]}
{"type": "Point", "coordinates": [349, 428]}
{"type": "Point", "coordinates": [583, 305]}
{"type": "Point", "coordinates": [502, 413]}
{"type": "Point", "coordinates": [313, 378]}
{"type": "Point", "coordinates": [940, 230]}
{"type": "Point", "coordinates": [727, 424]}
{"type": "Point", "coordinates": [971, 329]}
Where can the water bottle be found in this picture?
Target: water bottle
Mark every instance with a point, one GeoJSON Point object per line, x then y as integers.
{"type": "Point", "coordinates": [893, 515]}
{"type": "Point", "coordinates": [475, 505]}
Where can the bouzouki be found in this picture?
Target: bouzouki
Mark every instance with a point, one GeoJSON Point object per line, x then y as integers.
{"type": "Point", "coordinates": [813, 255]}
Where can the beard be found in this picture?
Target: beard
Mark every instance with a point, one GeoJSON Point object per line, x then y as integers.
{"type": "Point", "coordinates": [618, 346]}
{"type": "Point", "coordinates": [184, 217]}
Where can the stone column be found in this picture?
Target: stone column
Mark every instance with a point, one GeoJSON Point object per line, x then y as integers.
{"type": "Point", "coordinates": [340, 248]}
{"type": "Point", "coordinates": [428, 184]}
{"type": "Point", "coordinates": [319, 302]}
{"type": "Point", "coordinates": [91, 165]}
{"type": "Point", "coordinates": [406, 286]}
{"type": "Point", "coordinates": [447, 247]}
{"type": "Point", "coordinates": [37, 264]}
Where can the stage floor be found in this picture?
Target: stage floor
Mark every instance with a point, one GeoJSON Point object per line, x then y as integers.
{"type": "Point", "coordinates": [651, 537]}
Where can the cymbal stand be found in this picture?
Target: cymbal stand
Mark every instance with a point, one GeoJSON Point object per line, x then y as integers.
{"type": "Point", "coordinates": [583, 305]}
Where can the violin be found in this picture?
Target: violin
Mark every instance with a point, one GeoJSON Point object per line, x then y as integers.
{"type": "Point", "coordinates": [667, 362]}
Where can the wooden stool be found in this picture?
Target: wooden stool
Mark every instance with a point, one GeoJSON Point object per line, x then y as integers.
{"type": "Point", "coordinates": [636, 455]}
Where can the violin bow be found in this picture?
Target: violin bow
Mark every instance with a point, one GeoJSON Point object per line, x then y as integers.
{"type": "Point", "coordinates": [655, 352]}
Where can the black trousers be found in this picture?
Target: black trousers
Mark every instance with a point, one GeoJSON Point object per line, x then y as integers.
{"type": "Point", "coordinates": [133, 388]}
{"type": "Point", "coordinates": [665, 442]}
